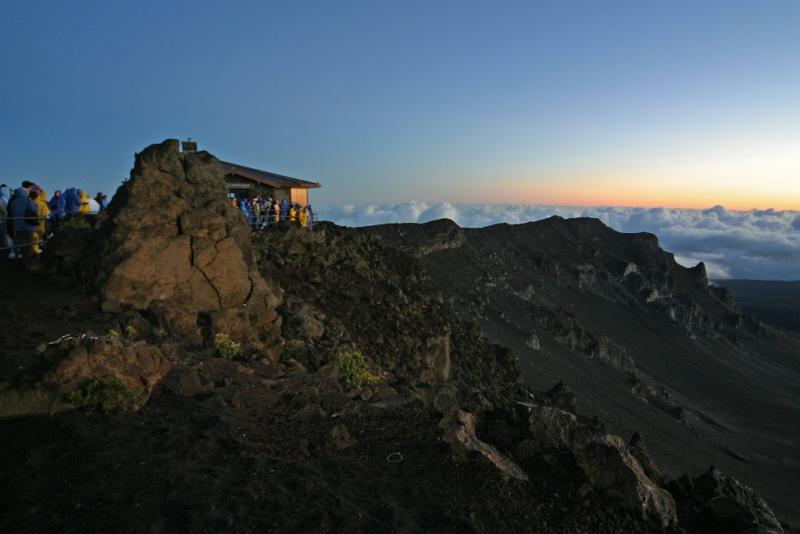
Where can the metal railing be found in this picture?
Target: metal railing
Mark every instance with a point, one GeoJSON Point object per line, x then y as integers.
{"type": "Point", "coordinates": [40, 242]}
{"type": "Point", "coordinates": [266, 222]}
{"type": "Point", "coordinates": [260, 222]}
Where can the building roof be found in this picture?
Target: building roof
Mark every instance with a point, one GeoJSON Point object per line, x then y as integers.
{"type": "Point", "coordinates": [269, 178]}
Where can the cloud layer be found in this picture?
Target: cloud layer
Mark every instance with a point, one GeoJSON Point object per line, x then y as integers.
{"type": "Point", "coordinates": [757, 244]}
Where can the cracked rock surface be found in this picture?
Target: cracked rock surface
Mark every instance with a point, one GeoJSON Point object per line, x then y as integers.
{"type": "Point", "coordinates": [178, 249]}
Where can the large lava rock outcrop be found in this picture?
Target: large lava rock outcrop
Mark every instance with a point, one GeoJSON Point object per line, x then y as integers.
{"type": "Point", "coordinates": [176, 249]}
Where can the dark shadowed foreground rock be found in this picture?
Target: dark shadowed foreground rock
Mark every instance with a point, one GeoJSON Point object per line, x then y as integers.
{"type": "Point", "coordinates": [605, 459]}
{"type": "Point", "coordinates": [458, 429]}
{"type": "Point", "coordinates": [716, 502]}
{"type": "Point", "coordinates": [73, 361]}
{"type": "Point", "coordinates": [175, 247]}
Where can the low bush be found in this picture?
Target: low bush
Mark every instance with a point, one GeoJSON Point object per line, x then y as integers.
{"type": "Point", "coordinates": [226, 347]}
{"type": "Point", "coordinates": [107, 395]}
{"type": "Point", "coordinates": [354, 369]}
{"type": "Point", "coordinates": [130, 331]}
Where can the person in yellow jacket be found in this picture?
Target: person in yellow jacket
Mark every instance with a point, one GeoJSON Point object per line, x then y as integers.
{"type": "Point", "coordinates": [39, 199]}
{"type": "Point", "coordinates": [292, 214]}
{"type": "Point", "coordinates": [84, 203]}
{"type": "Point", "coordinates": [303, 218]}
{"type": "Point", "coordinates": [44, 212]}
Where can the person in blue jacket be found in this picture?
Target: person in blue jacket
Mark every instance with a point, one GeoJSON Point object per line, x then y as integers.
{"type": "Point", "coordinates": [72, 202]}
{"type": "Point", "coordinates": [244, 207]}
{"type": "Point", "coordinates": [24, 215]}
{"type": "Point", "coordinates": [58, 207]}
{"type": "Point", "coordinates": [284, 210]}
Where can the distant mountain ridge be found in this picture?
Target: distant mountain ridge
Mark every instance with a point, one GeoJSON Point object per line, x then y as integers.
{"type": "Point", "coordinates": [648, 345]}
{"type": "Point", "coordinates": [772, 301]}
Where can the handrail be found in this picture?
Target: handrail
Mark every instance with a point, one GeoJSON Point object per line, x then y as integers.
{"type": "Point", "coordinates": [28, 218]}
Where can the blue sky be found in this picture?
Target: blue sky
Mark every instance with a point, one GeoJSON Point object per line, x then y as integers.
{"type": "Point", "coordinates": [681, 104]}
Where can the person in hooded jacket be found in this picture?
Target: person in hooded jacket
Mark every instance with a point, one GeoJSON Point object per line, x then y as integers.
{"type": "Point", "coordinates": [292, 215]}
{"type": "Point", "coordinates": [23, 213]}
{"type": "Point", "coordinates": [44, 210]}
{"type": "Point", "coordinates": [310, 223]}
{"type": "Point", "coordinates": [244, 207]}
{"type": "Point", "coordinates": [72, 202]}
{"type": "Point", "coordinates": [44, 213]}
{"type": "Point", "coordinates": [37, 197]}
{"type": "Point", "coordinates": [284, 210]}
{"type": "Point", "coordinates": [250, 213]}
{"type": "Point", "coordinates": [67, 196]}
{"type": "Point", "coordinates": [303, 218]}
{"type": "Point", "coordinates": [84, 202]}
{"type": "Point", "coordinates": [58, 210]}
{"type": "Point", "coordinates": [255, 212]}
{"type": "Point", "coordinates": [101, 202]}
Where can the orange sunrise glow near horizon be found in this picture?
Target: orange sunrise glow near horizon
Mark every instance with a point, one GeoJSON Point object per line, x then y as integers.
{"type": "Point", "coordinates": [738, 175]}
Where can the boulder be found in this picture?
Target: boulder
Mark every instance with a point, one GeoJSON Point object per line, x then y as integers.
{"type": "Point", "coordinates": [630, 268]}
{"type": "Point", "coordinates": [304, 321]}
{"type": "Point", "coordinates": [610, 467]}
{"type": "Point", "coordinates": [185, 381]}
{"type": "Point", "coordinates": [458, 429]}
{"type": "Point", "coordinates": [552, 427]}
{"type": "Point", "coordinates": [714, 501]}
{"type": "Point", "coordinates": [637, 448]}
{"type": "Point", "coordinates": [562, 396]}
{"type": "Point", "coordinates": [176, 248]}
{"type": "Point", "coordinates": [605, 459]}
{"type": "Point", "coordinates": [79, 359]}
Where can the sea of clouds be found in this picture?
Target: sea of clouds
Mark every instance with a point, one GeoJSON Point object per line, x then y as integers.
{"type": "Point", "coordinates": [756, 244]}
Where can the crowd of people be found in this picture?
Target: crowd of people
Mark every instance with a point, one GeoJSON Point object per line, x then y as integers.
{"type": "Point", "coordinates": [28, 217]}
{"type": "Point", "coordinates": [262, 212]}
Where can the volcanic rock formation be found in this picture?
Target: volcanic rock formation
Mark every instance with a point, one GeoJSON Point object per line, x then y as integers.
{"type": "Point", "coordinates": [413, 392]}
{"type": "Point", "coordinates": [176, 248]}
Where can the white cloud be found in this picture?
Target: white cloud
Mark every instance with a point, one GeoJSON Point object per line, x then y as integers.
{"type": "Point", "coordinates": [758, 244]}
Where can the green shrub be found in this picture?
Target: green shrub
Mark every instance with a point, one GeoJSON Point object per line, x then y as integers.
{"type": "Point", "coordinates": [226, 347]}
{"type": "Point", "coordinates": [354, 369]}
{"type": "Point", "coordinates": [107, 395]}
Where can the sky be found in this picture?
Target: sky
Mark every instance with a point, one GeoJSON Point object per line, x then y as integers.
{"type": "Point", "coordinates": [678, 105]}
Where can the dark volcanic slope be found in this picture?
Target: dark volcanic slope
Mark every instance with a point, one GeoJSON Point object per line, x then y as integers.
{"type": "Point", "coordinates": [774, 302]}
{"type": "Point", "coordinates": [170, 372]}
{"type": "Point", "coordinates": [647, 344]}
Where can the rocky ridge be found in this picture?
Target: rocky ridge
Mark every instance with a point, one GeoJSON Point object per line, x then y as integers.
{"type": "Point", "coordinates": [285, 424]}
